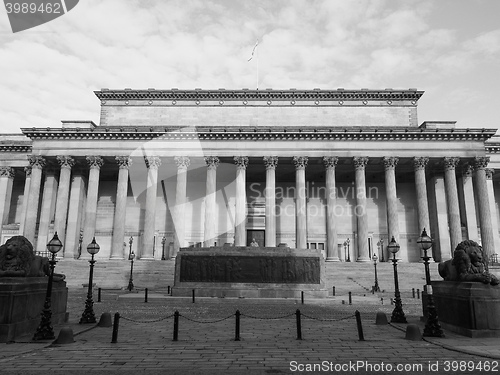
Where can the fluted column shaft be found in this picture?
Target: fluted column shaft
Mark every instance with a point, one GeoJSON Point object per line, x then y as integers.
{"type": "Point", "coordinates": [49, 190]}
{"type": "Point", "coordinates": [331, 199]}
{"type": "Point", "coordinates": [450, 183]}
{"type": "Point", "coordinates": [493, 208]}
{"type": "Point", "coordinates": [392, 202]}
{"type": "Point", "coordinates": [152, 162]}
{"type": "Point", "coordinates": [271, 162]}
{"type": "Point", "coordinates": [483, 205]}
{"type": "Point", "coordinates": [240, 235]}
{"type": "Point", "coordinates": [76, 211]}
{"type": "Point", "coordinates": [95, 164]}
{"type": "Point", "coordinates": [124, 163]}
{"type": "Point", "coordinates": [300, 202]}
{"type": "Point", "coordinates": [183, 163]}
{"type": "Point", "coordinates": [360, 210]}
{"type": "Point", "coordinates": [66, 163]}
{"type": "Point", "coordinates": [6, 179]}
{"type": "Point", "coordinates": [469, 203]}
{"type": "Point", "coordinates": [419, 164]}
{"type": "Point", "coordinates": [24, 209]}
{"type": "Point", "coordinates": [210, 201]}
{"type": "Point", "coordinates": [37, 163]}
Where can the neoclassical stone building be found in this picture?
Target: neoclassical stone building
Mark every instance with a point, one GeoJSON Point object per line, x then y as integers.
{"type": "Point", "coordinates": [337, 170]}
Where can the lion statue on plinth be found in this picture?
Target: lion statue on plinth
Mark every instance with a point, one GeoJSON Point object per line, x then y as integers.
{"type": "Point", "coordinates": [17, 259]}
{"type": "Point", "coordinates": [467, 265]}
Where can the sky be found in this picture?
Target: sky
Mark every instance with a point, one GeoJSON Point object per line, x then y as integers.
{"type": "Point", "coordinates": [448, 48]}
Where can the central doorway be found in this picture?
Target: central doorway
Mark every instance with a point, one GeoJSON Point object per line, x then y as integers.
{"type": "Point", "coordinates": [258, 234]}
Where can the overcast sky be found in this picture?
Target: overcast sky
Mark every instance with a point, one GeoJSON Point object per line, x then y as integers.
{"type": "Point", "coordinates": [448, 48]}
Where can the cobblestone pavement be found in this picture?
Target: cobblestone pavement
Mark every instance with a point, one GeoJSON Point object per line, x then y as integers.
{"type": "Point", "coordinates": [268, 331]}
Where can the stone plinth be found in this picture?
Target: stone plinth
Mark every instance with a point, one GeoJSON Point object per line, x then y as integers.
{"type": "Point", "coordinates": [468, 308]}
{"type": "Point", "coordinates": [251, 272]}
{"type": "Point", "coordinates": [21, 302]}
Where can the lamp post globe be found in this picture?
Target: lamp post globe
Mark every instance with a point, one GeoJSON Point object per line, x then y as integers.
{"type": "Point", "coordinates": [432, 327]}
{"type": "Point", "coordinates": [88, 315]}
{"type": "Point", "coordinates": [398, 316]}
{"type": "Point", "coordinates": [45, 330]}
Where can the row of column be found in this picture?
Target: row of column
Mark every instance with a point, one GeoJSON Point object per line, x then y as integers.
{"type": "Point", "coordinates": [69, 196]}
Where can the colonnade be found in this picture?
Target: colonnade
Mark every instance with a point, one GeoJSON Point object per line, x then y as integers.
{"type": "Point", "coordinates": [65, 189]}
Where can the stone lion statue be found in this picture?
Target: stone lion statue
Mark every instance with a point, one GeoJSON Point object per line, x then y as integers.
{"type": "Point", "coordinates": [17, 259]}
{"type": "Point", "coordinates": [467, 265]}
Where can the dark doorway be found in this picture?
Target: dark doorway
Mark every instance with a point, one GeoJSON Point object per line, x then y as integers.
{"type": "Point", "coordinates": [257, 234]}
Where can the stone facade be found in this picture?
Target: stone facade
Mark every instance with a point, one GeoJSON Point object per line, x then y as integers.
{"type": "Point", "coordinates": [310, 169]}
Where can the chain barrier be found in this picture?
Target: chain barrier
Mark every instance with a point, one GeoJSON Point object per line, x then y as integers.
{"type": "Point", "coordinates": [205, 321]}
{"type": "Point", "coordinates": [274, 318]}
{"type": "Point", "coordinates": [328, 320]}
{"type": "Point", "coordinates": [146, 321]}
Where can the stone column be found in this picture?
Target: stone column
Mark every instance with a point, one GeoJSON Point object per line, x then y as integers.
{"type": "Point", "coordinates": [360, 210]}
{"type": "Point", "coordinates": [37, 163]}
{"type": "Point", "coordinates": [493, 208]}
{"type": "Point", "coordinates": [6, 179]}
{"type": "Point", "coordinates": [210, 201]}
{"type": "Point", "coordinates": [95, 164]}
{"type": "Point", "coordinates": [124, 163]}
{"type": "Point", "coordinates": [300, 202]}
{"type": "Point", "coordinates": [76, 212]}
{"type": "Point", "coordinates": [483, 205]}
{"type": "Point", "coordinates": [66, 163]}
{"type": "Point", "coordinates": [183, 163]}
{"type": "Point", "coordinates": [240, 235]}
{"type": "Point", "coordinates": [153, 163]}
{"type": "Point", "coordinates": [419, 164]}
{"type": "Point", "coordinates": [469, 205]}
{"type": "Point", "coordinates": [271, 162]}
{"type": "Point", "coordinates": [392, 204]}
{"type": "Point", "coordinates": [450, 182]}
{"type": "Point", "coordinates": [331, 199]}
{"type": "Point", "coordinates": [24, 209]}
{"type": "Point", "coordinates": [49, 189]}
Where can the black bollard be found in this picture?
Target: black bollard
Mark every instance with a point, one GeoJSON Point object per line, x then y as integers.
{"type": "Point", "coordinates": [360, 327]}
{"type": "Point", "coordinates": [193, 295]}
{"type": "Point", "coordinates": [350, 298]}
{"type": "Point", "coordinates": [302, 297]}
{"type": "Point", "coordinates": [418, 293]}
{"type": "Point", "coordinates": [168, 290]}
{"type": "Point", "coordinates": [333, 291]}
{"type": "Point", "coordinates": [116, 324]}
{"type": "Point", "coordinates": [237, 328]}
{"type": "Point", "coordinates": [146, 295]}
{"type": "Point", "coordinates": [299, 325]}
{"type": "Point", "coordinates": [176, 325]}
{"type": "Point", "coordinates": [99, 295]}
{"type": "Point", "coordinates": [413, 292]}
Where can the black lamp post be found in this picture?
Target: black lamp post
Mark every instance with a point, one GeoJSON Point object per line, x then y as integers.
{"type": "Point", "coordinates": [381, 246]}
{"type": "Point", "coordinates": [347, 255]}
{"type": "Point", "coordinates": [80, 240]}
{"type": "Point", "coordinates": [432, 326]}
{"type": "Point", "coordinates": [163, 240]}
{"type": "Point", "coordinates": [45, 330]}
{"type": "Point", "coordinates": [88, 315]}
{"type": "Point", "coordinates": [131, 257]}
{"type": "Point", "coordinates": [376, 288]}
{"type": "Point", "coordinates": [398, 316]}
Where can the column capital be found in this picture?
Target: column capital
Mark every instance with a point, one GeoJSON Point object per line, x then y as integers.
{"type": "Point", "coordinates": [390, 162]}
{"type": "Point", "coordinates": [182, 162]}
{"type": "Point", "coordinates": [271, 162]}
{"type": "Point", "coordinates": [481, 162]}
{"type": "Point", "coordinates": [450, 163]}
{"type": "Point", "coordinates": [360, 162]}
{"type": "Point", "coordinates": [37, 161]}
{"type": "Point", "coordinates": [489, 173]}
{"type": "Point", "coordinates": [152, 162]}
{"type": "Point", "coordinates": [420, 162]}
{"type": "Point", "coordinates": [7, 172]}
{"type": "Point", "coordinates": [241, 162]}
{"type": "Point", "coordinates": [95, 162]}
{"type": "Point", "coordinates": [330, 162]}
{"type": "Point", "coordinates": [212, 162]}
{"type": "Point", "coordinates": [467, 170]}
{"type": "Point", "coordinates": [65, 161]}
{"type": "Point", "coordinates": [300, 162]}
{"type": "Point", "coordinates": [124, 162]}
{"type": "Point", "coordinates": [27, 171]}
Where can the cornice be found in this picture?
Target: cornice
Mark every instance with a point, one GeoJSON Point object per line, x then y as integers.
{"type": "Point", "coordinates": [222, 94]}
{"type": "Point", "coordinates": [492, 148]}
{"type": "Point", "coordinates": [260, 134]}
